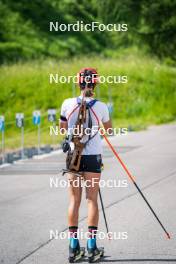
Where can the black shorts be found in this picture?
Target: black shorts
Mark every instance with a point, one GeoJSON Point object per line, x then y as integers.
{"type": "Point", "coordinates": [91, 163]}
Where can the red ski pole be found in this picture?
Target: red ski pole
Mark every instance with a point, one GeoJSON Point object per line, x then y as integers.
{"type": "Point", "coordinates": [137, 187]}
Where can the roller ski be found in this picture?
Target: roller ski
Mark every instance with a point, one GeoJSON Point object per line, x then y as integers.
{"type": "Point", "coordinates": [95, 254]}
{"type": "Point", "coordinates": [76, 253]}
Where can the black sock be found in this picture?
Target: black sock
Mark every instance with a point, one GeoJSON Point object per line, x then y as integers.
{"type": "Point", "coordinates": [92, 231]}
{"type": "Point", "coordinates": [73, 231]}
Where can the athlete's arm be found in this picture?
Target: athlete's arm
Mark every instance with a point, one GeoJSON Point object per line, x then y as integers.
{"type": "Point", "coordinates": [63, 124]}
{"type": "Point", "coordinates": [107, 125]}
{"type": "Point", "coordinates": [106, 121]}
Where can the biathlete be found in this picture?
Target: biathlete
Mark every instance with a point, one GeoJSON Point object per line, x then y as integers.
{"type": "Point", "coordinates": [90, 163]}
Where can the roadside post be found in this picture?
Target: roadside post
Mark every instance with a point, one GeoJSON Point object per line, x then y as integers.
{"type": "Point", "coordinates": [52, 119]}
{"type": "Point", "coordinates": [36, 121]}
{"type": "Point", "coordinates": [110, 108]}
{"type": "Point", "coordinates": [2, 128]}
{"type": "Point", "coordinates": [110, 103]}
{"type": "Point", "coordinates": [20, 124]}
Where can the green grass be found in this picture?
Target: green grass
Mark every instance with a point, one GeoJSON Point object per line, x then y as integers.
{"type": "Point", "coordinates": [149, 97]}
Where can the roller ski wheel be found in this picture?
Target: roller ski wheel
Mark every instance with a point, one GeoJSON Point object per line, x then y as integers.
{"type": "Point", "coordinates": [76, 254]}
{"type": "Point", "coordinates": [95, 254]}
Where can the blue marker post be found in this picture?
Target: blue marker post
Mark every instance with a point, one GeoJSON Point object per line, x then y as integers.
{"type": "Point", "coordinates": [36, 121]}
{"type": "Point", "coordinates": [2, 128]}
{"type": "Point", "coordinates": [20, 124]}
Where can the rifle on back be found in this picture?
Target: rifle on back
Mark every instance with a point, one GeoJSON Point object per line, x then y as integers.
{"type": "Point", "coordinates": [74, 158]}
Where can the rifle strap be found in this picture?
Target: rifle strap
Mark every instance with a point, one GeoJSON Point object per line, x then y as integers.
{"type": "Point", "coordinates": [89, 105]}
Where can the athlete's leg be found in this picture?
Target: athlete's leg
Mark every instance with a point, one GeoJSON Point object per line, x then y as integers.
{"type": "Point", "coordinates": [75, 193]}
{"type": "Point", "coordinates": [92, 182]}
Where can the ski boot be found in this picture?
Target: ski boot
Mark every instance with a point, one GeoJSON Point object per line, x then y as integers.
{"type": "Point", "coordinates": [75, 251]}
{"type": "Point", "coordinates": [94, 253]}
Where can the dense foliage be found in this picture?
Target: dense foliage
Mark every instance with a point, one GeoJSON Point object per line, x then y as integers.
{"type": "Point", "coordinates": [149, 97]}
{"type": "Point", "coordinates": [24, 27]}
{"type": "Point", "coordinates": [29, 51]}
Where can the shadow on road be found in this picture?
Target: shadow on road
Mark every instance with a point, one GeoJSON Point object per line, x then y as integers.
{"type": "Point", "coordinates": [137, 260]}
{"type": "Point", "coordinates": [104, 259]}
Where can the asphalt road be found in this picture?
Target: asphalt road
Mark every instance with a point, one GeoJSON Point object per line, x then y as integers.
{"type": "Point", "coordinates": [30, 208]}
